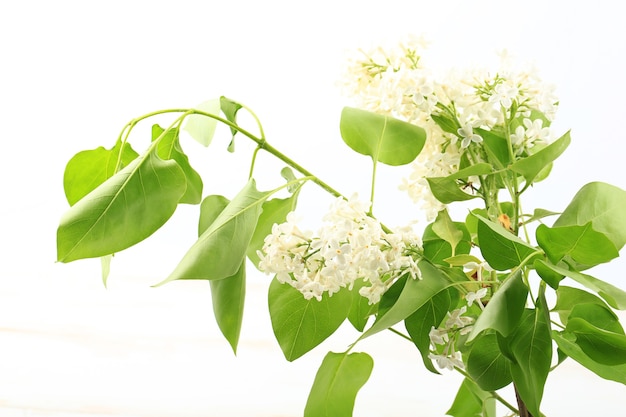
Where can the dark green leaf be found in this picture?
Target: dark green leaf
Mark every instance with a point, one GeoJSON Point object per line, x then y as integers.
{"type": "Point", "coordinates": [124, 210]}
{"type": "Point", "coordinates": [531, 346]}
{"type": "Point", "coordinates": [547, 274]}
{"type": "Point", "coordinates": [427, 316]}
{"type": "Point", "coordinates": [169, 148]}
{"type": "Point", "coordinates": [487, 365]}
{"type": "Point", "coordinates": [601, 204]}
{"type": "Point", "coordinates": [228, 294]}
{"type": "Point", "coordinates": [505, 308]}
{"type": "Point", "coordinates": [299, 324]}
{"type": "Point", "coordinates": [88, 169]}
{"type": "Point", "coordinates": [337, 382]}
{"type": "Point", "coordinates": [501, 248]}
{"type": "Point", "coordinates": [567, 344]}
{"type": "Point", "coordinates": [532, 165]}
{"type": "Point", "coordinates": [385, 139]}
{"type": "Point", "coordinates": [220, 250]}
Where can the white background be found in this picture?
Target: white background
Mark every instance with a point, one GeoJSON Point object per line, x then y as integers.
{"type": "Point", "coordinates": [73, 73]}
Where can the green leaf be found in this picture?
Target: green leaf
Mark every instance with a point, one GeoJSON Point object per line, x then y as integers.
{"type": "Point", "coordinates": [583, 244]}
{"type": "Point", "coordinates": [169, 148]}
{"type": "Point", "coordinates": [105, 264]}
{"type": "Point", "coordinates": [88, 169]}
{"type": "Point", "coordinates": [385, 139]}
{"type": "Point", "coordinates": [552, 278]}
{"type": "Point", "coordinates": [227, 294]}
{"type": "Point", "coordinates": [274, 211]}
{"type": "Point", "coordinates": [568, 298]}
{"type": "Point", "coordinates": [501, 248]}
{"type": "Point", "coordinates": [337, 382]}
{"type": "Point", "coordinates": [445, 123]}
{"type": "Point", "coordinates": [531, 346]}
{"type": "Point", "coordinates": [124, 210]}
{"type": "Point", "coordinates": [532, 165]}
{"type": "Point", "coordinates": [471, 401]}
{"type": "Point", "coordinates": [567, 344]}
{"type": "Point", "coordinates": [598, 314]}
{"type": "Point", "coordinates": [427, 316]}
{"type": "Point", "coordinates": [360, 309]}
{"type": "Point", "coordinates": [447, 190]}
{"type": "Point", "coordinates": [445, 228]}
{"type": "Point", "coordinates": [539, 214]}
{"type": "Point", "coordinates": [603, 346]}
{"type": "Point", "coordinates": [220, 250]}
{"type": "Point", "coordinates": [300, 324]}
{"type": "Point", "coordinates": [496, 147]}
{"type": "Point", "coordinates": [614, 296]}
{"type": "Point", "coordinates": [438, 250]}
{"type": "Point", "coordinates": [415, 294]}
{"type": "Point", "coordinates": [601, 204]}
{"type": "Point", "coordinates": [487, 365]}
{"type": "Point", "coordinates": [201, 127]}
{"type": "Point", "coordinates": [230, 109]}
{"type": "Point", "coordinates": [505, 308]}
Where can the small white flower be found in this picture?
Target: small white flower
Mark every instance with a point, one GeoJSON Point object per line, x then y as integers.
{"type": "Point", "coordinates": [468, 135]}
{"type": "Point", "coordinates": [477, 296]}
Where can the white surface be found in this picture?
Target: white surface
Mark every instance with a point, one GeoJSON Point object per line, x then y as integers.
{"type": "Point", "coordinates": [73, 73]}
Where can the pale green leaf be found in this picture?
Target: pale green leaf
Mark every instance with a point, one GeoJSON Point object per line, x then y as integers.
{"type": "Point", "coordinates": [471, 401]}
{"type": "Point", "coordinates": [201, 127]}
{"type": "Point", "coordinates": [446, 229]}
{"type": "Point", "coordinates": [337, 382]}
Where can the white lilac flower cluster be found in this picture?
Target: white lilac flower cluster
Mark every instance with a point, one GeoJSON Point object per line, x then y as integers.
{"type": "Point", "coordinates": [349, 246]}
{"type": "Point", "coordinates": [511, 102]}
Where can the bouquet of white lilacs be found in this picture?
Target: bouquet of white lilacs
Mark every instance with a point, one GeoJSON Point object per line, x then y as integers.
{"type": "Point", "coordinates": [471, 293]}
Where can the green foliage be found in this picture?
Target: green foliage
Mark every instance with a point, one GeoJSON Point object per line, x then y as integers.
{"type": "Point", "coordinates": [531, 166]}
{"type": "Point", "coordinates": [601, 204]}
{"type": "Point", "coordinates": [88, 169]}
{"type": "Point", "coordinates": [531, 348]}
{"type": "Point", "coordinates": [502, 249]}
{"type": "Point", "coordinates": [230, 109]}
{"type": "Point", "coordinates": [486, 364]}
{"type": "Point", "coordinates": [446, 189]}
{"type": "Point", "coordinates": [338, 380]}
{"type": "Point", "coordinates": [168, 147]}
{"type": "Point", "coordinates": [200, 127]}
{"type": "Point", "coordinates": [124, 210]}
{"type": "Point", "coordinates": [299, 324]}
{"type": "Point", "coordinates": [415, 294]}
{"type": "Point", "coordinates": [428, 316]}
{"type": "Point", "coordinates": [471, 401]}
{"type": "Point", "coordinates": [505, 308]}
{"type": "Point", "coordinates": [228, 294]}
{"type": "Point", "coordinates": [385, 139]}
{"type": "Point", "coordinates": [221, 248]}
